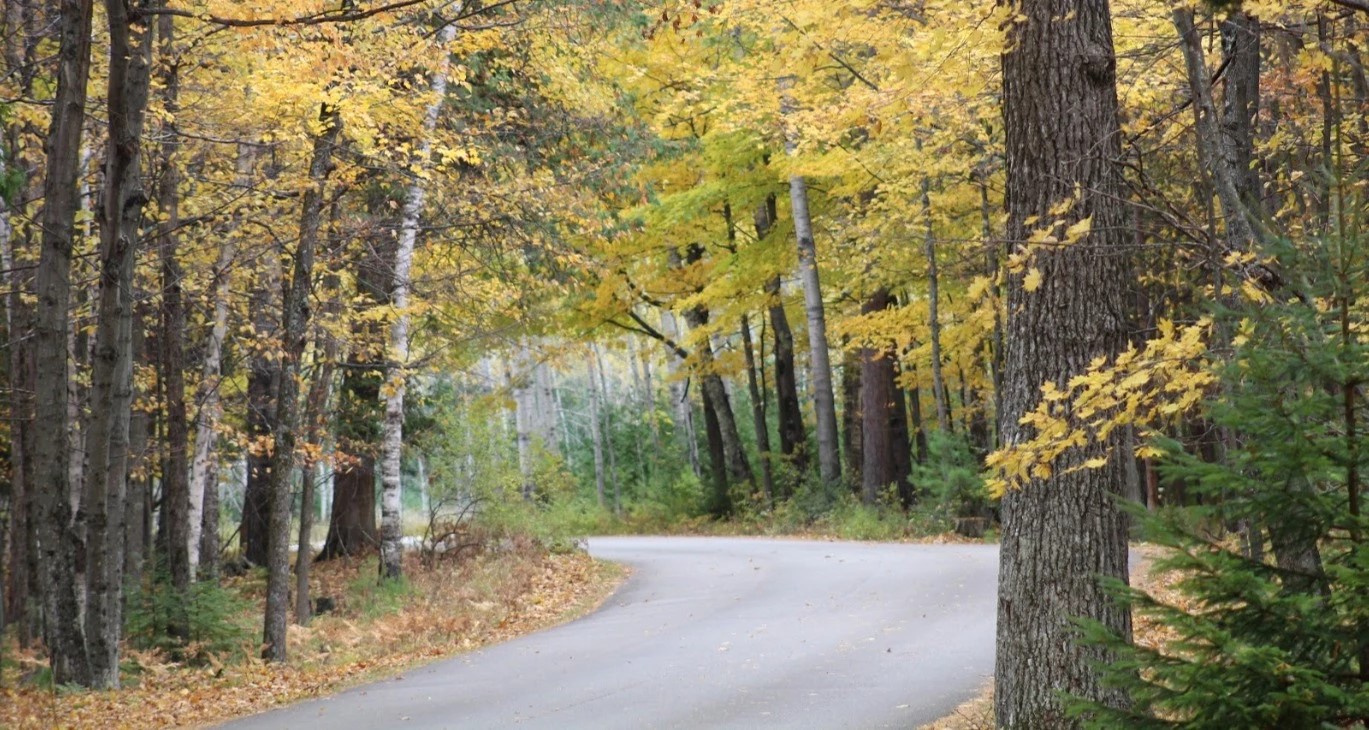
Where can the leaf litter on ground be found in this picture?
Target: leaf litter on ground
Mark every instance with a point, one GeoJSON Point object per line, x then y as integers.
{"type": "Point", "coordinates": [443, 609]}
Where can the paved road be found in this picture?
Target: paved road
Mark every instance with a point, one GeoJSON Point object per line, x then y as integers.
{"type": "Point", "coordinates": [718, 633]}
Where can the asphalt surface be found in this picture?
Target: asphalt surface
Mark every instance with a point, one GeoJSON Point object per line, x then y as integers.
{"type": "Point", "coordinates": [718, 633]}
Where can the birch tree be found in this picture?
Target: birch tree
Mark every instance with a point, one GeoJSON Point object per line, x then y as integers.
{"type": "Point", "coordinates": [392, 438]}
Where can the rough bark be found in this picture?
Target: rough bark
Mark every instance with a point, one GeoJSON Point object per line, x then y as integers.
{"type": "Point", "coordinates": [263, 378]}
{"type": "Point", "coordinates": [1061, 533]}
{"type": "Point", "coordinates": [112, 374]}
{"type": "Point", "coordinates": [57, 545]}
{"type": "Point", "coordinates": [138, 515]}
{"type": "Point", "coordinates": [884, 428]}
{"type": "Point", "coordinates": [176, 492]}
{"type": "Point", "coordinates": [294, 326]}
{"type": "Point", "coordinates": [352, 518]}
{"type": "Point", "coordinates": [1241, 103]}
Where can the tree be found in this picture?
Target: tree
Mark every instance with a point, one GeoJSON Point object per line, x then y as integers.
{"type": "Point", "coordinates": [1261, 643]}
{"type": "Point", "coordinates": [294, 333]}
{"type": "Point", "coordinates": [1065, 308]}
{"type": "Point", "coordinates": [63, 632]}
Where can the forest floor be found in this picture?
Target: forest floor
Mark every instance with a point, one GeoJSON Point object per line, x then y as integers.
{"type": "Point", "coordinates": [438, 611]}
{"type": "Point", "coordinates": [976, 713]}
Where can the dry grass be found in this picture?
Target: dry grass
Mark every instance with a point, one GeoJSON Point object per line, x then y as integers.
{"type": "Point", "coordinates": [446, 609]}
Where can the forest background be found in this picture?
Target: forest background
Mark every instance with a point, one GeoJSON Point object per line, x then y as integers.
{"type": "Point", "coordinates": [383, 270]}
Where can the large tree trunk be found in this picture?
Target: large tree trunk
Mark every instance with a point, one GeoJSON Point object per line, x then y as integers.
{"type": "Point", "coordinates": [263, 378]}
{"type": "Point", "coordinates": [884, 428]}
{"type": "Point", "coordinates": [728, 439]}
{"type": "Point", "coordinates": [294, 330]}
{"type": "Point", "coordinates": [352, 518]}
{"type": "Point", "coordinates": [112, 376]}
{"type": "Point", "coordinates": [1060, 534]}
{"type": "Point", "coordinates": [57, 543]}
{"type": "Point", "coordinates": [176, 492]}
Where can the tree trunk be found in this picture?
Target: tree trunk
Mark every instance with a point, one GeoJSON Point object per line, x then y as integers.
{"type": "Point", "coordinates": [263, 380]}
{"type": "Point", "coordinates": [519, 374]}
{"type": "Point", "coordinates": [679, 396]}
{"type": "Point", "coordinates": [352, 519]}
{"type": "Point", "coordinates": [917, 426]}
{"type": "Point", "coordinates": [788, 413]}
{"type": "Point", "coordinates": [112, 376]}
{"type": "Point", "coordinates": [735, 465]}
{"type": "Point", "coordinates": [315, 422]}
{"type": "Point", "coordinates": [852, 442]}
{"type": "Point", "coordinates": [595, 434]}
{"type": "Point", "coordinates": [819, 361]}
{"type": "Point", "coordinates": [138, 515]}
{"type": "Point", "coordinates": [1061, 533]}
{"type": "Point", "coordinates": [1217, 152]}
{"type": "Point", "coordinates": [758, 412]}
{"type": "Point", "coordinates": [608, 432]}
{"type": "Point", "coordinates": [57, 553]}
{"type": "Point", "coordinates": [884, 428]}
{"type": "Point", "coordinates": [943, 417]}
{"type": "Point", "coordinates": [203, 541]}
{"type": "Point", "coordinates": [176, 493]}
{"type": "Point", "coordinates": [294, 329]}
{"type": "Point", "coordinates": [392, 441]}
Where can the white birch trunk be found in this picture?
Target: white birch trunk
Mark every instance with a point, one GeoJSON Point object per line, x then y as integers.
{"type": "Point", "coordinates": [392, 439]}
{"type": "Point", "coordinates": [524, 415]}
{"type": "Point", "coordinates": [204, 467]}
{"type": "Point", "coordinates": [820, 365]}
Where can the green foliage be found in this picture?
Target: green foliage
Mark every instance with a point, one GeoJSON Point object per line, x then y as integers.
{"type": "Point", "coordinates": [220, 621]}
{"type": "Point", "coordinates": [952, 480]}
{"type": "Point", "coordinates": [1278, 641]}
{"type": "Point", "coordinates": [370, 598]}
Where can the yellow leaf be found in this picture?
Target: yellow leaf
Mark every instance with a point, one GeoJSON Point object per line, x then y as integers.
{"type": "Point", "coordinates": [1032, 281]}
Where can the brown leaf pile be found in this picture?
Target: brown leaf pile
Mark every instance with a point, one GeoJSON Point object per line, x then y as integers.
{"type": "Point", "coordinates": [448, 608]}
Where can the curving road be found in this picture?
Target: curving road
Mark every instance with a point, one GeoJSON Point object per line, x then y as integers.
{"type": "Point", "coordinates": [718, 633]}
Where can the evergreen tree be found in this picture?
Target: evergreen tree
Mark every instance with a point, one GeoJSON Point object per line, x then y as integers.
{"type": "Point", "coordinates": [1277, 641]}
